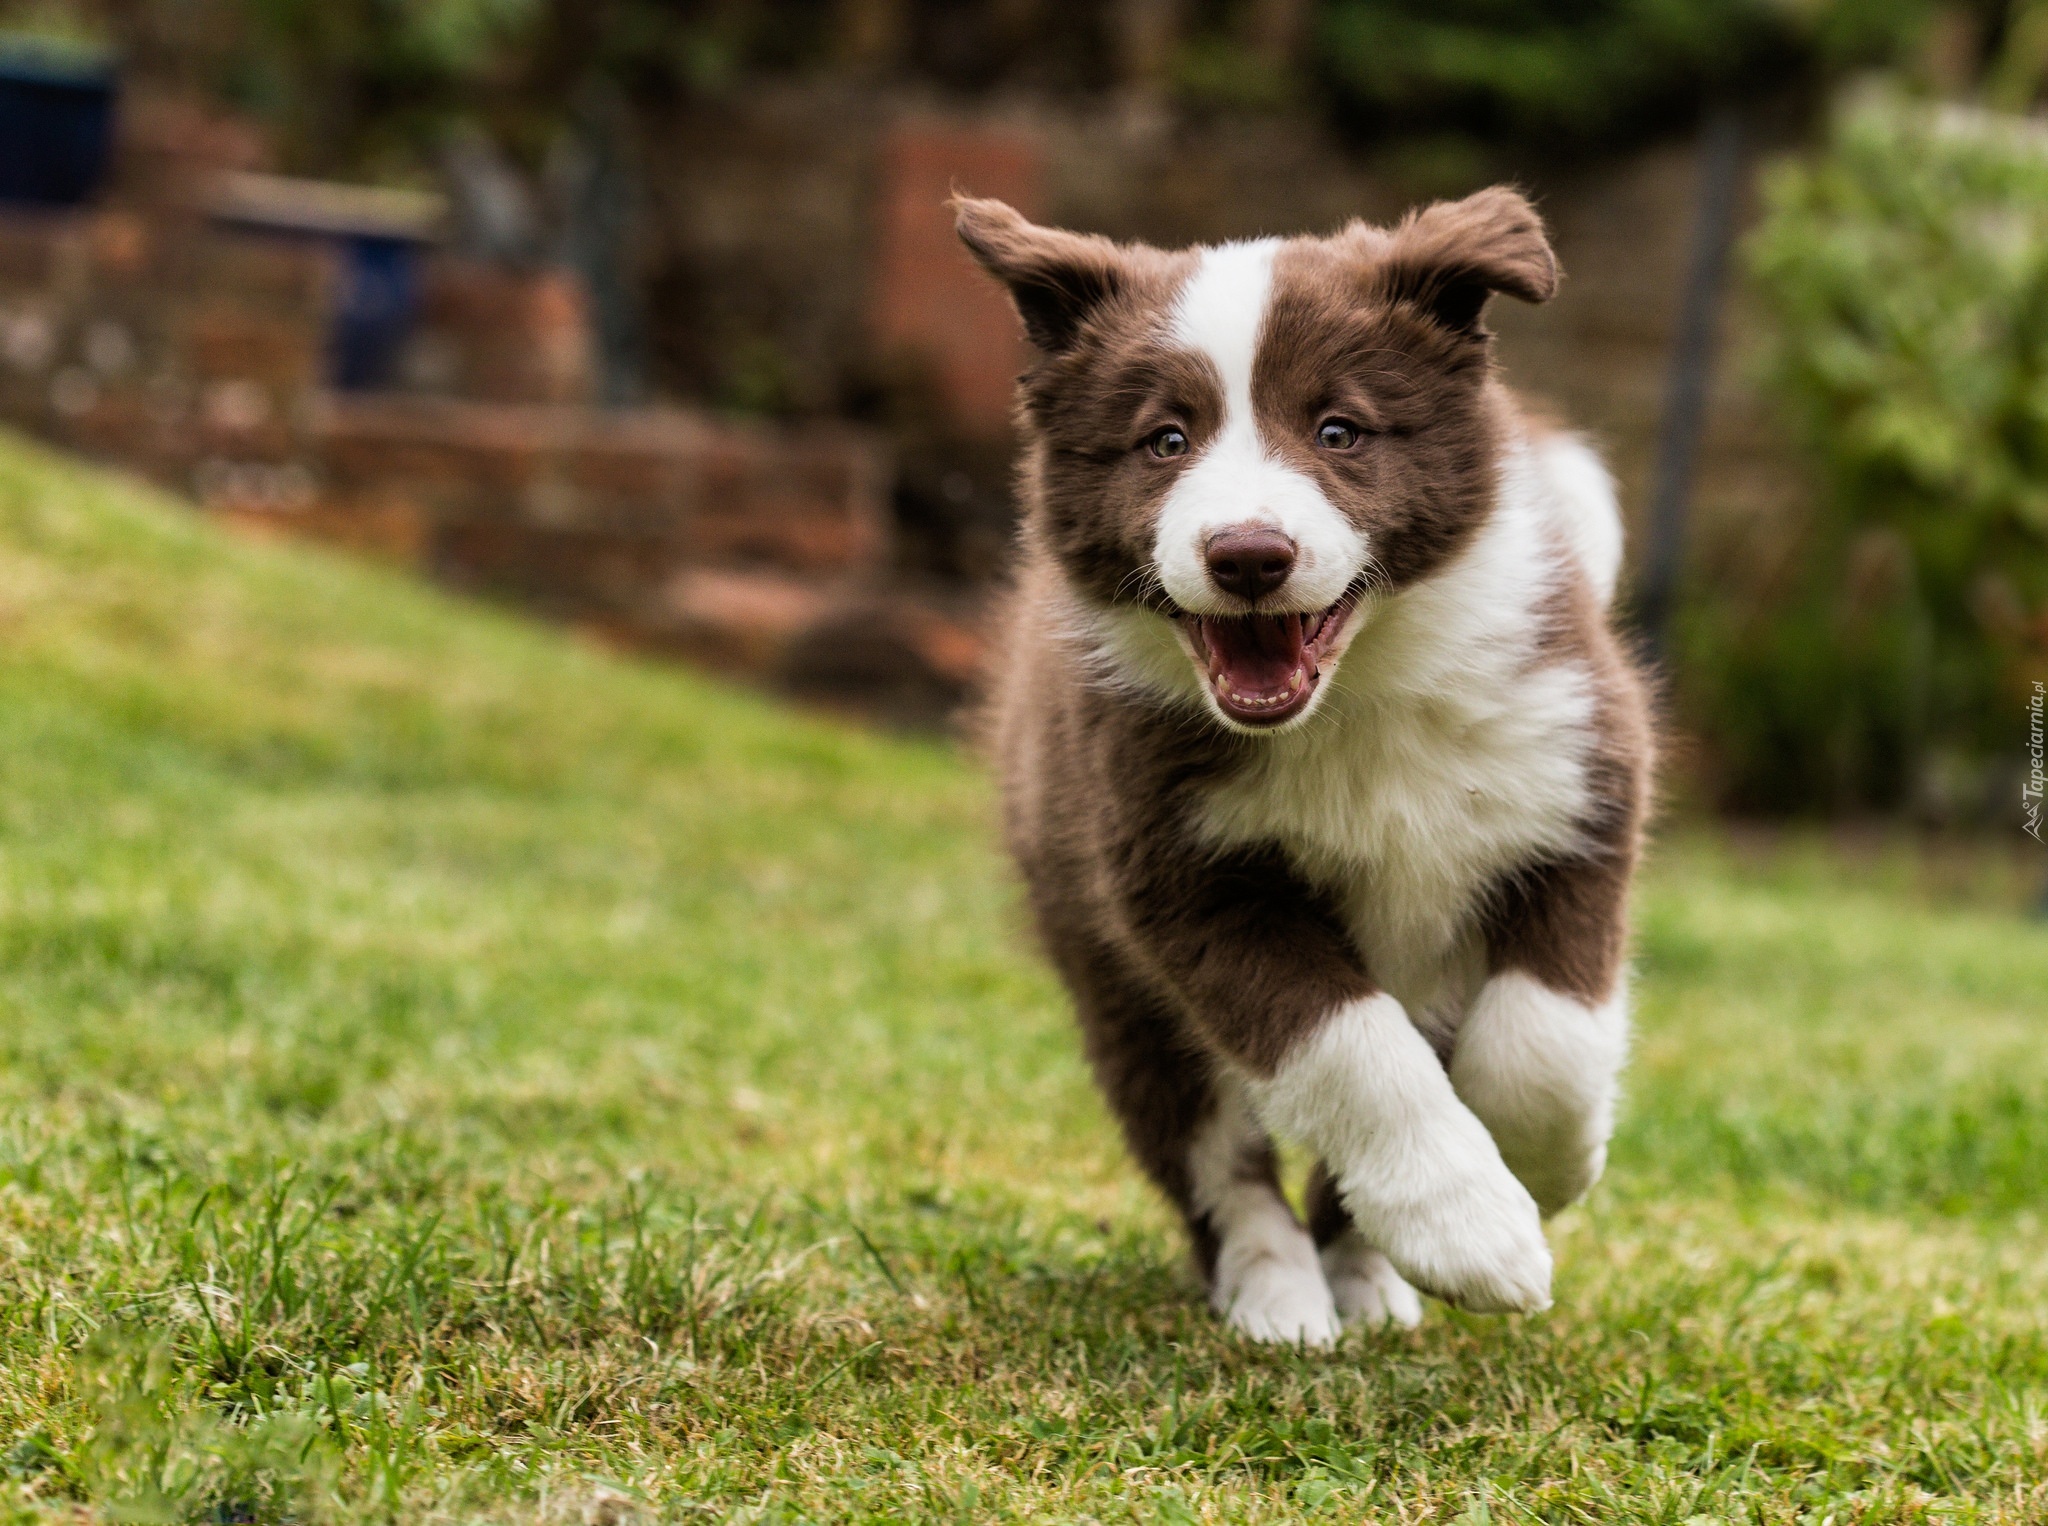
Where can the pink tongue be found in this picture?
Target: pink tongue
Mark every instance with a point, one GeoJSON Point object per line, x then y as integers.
{"type": "Point", "coordinates": [1257, 654]}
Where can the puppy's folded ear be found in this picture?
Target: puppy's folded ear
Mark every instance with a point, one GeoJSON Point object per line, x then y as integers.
{"type": "Point", "coordinates": [1056, 278]}
{"type": "Point", "coordinates": [1449, 257]}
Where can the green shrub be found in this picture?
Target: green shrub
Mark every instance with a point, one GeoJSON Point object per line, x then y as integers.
{"type": "Point", "coordinates": [1904, 275]}
{"type": "Point", "coordinates": [1578, 74]}
{"type": "Point", "coordinates": [1545, 76]}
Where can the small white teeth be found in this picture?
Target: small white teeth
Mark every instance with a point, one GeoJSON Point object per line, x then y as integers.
{"type": "Point", "coordinates": [1296, 682]}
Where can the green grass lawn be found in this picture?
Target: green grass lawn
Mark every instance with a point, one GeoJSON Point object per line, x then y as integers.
{"type": "Point", "coordinates": [449, 1073]}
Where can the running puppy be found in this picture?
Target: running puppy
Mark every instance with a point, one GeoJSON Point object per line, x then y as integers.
{"type": "Point", "coordinates": [1321, 761]}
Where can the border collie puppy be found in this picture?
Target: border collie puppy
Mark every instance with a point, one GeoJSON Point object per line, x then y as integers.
{"type": "Point", "coordinates": [1323, 766]}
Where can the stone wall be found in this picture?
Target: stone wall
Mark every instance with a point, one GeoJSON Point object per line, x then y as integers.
{"type": "Point", "coordinates": [499, 334]}
{"type": "Point", "coordinates": [800, 264]}
{"type": "Point", "coordinates": [145, 341]}
{"type": "Point", "coordinates": [194, 355]}
{"type": "Point", "coordinates": [652, 521]}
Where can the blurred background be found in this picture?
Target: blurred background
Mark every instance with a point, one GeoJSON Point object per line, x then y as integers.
{"type": "Point", "coordinates": [646, 315]}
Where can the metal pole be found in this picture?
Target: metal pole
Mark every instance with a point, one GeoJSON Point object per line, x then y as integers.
{"type": "Point", "coordinates": [1692, 370]}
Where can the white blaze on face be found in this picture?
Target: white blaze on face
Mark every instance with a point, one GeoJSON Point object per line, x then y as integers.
{"type": "Point", "coordinates": [1233, 479]}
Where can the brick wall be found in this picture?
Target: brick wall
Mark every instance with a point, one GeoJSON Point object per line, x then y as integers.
{"type": "Point", "coordinates": [592, 514]}
{"type": "Point", "coordinates": [194, 355]}
{"type": "Point", "coordinates": [185, 355]}
{"type": "Point", "coordinates": [500, 334]}
{"type": "Point", "coordinates": [799, 261]}
{"type": "Point", "coordinates": [931, 308]}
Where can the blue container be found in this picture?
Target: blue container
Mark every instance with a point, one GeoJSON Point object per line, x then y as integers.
{"type": "Point", "coordinates": [56, 124]}
{"type": "Point", "coordinates": [379, 298]}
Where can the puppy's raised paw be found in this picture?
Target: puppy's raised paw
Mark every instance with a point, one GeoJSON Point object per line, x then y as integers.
{"type": "Point", "coordinates": [1474, 1238]}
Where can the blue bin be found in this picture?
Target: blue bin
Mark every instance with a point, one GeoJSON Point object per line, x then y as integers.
{"type": "Point", "coordinates": [56, 125]}
{"type": "Point", "coordinates": [378, 301]}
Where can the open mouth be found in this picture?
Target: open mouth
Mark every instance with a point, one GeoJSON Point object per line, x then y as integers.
{"type": "Point", "coordinates": [1263, 669]}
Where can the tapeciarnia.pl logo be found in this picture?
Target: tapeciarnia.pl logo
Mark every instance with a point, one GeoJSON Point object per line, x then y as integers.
{"type": "Point", "coordinates": [2030, 792]}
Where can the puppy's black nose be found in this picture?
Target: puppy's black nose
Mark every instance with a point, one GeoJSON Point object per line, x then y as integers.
{"type": "Point", "coordinates": [1250, 561]}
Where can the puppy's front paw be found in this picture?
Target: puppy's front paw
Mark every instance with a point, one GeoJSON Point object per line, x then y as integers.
{"type": "Point", "coordinates": [1269, 1284]}
{"type": "Point", "coordinates": [1278, 1300]}
{"type": "Point", "coordinates": [1471, 1236]}
{"type": "Point", "coordinates": [1366, 1288]}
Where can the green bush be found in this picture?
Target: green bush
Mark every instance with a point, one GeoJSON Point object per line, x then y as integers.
{"type": "Point", "coordinates": [1578, 76]}
{"type": "Point", "coordinates": [1904, 273]}
{"type": "Point", "coordinates": [1572, 74]}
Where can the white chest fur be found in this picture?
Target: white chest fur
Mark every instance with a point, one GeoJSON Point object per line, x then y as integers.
{"type": "Point", "coordinates": [1447, 752]}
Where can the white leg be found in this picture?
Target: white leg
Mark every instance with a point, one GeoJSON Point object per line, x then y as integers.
{"type": "Point", "coordinates": [1268, 1282]}
{"type": "Point", "coordinates": [1366, 1288]}
{"type": "Point", "coordinates": [1540, 1070]}
{"type": "Point", "coordinates": [1419, 1175]}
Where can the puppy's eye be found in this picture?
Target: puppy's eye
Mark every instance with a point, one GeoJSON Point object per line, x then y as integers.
{"type": "Point", "coordinates": [1336, 434]}
{"type": "Point", "coordinates": [1168, 442]}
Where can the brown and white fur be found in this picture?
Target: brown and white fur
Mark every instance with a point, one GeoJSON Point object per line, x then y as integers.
{"type": "Point", "coordinates": [1322, 764]}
